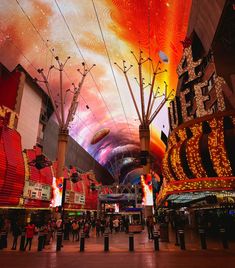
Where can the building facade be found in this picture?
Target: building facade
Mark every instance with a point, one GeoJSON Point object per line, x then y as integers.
{"type": "Point", "coordinates": [27, 130]}
{"type": "Point", "coordinates": [200, 154]}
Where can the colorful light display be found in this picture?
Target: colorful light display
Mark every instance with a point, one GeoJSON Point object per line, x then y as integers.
{"type": "Point", "coordinates": [190, 64]}
{"type": "Point", "coordinates": [193, 152]}
{"type": "Point", "coordinates": [147, 189]}
{"type": "Point", "coordinates": [198, 134]}
{"type": "Point", "coordinates": [175, 157]}
{"type": "Point", "coordinates": [32, 32]}
{"type": "Point", "coordinates": [196, 185]}
{"type": "Point", "coordinates": [12, 171]}
{"type": "Point", "coordinates": [217, 149]}
{"type": "Point", "coordinates": [57, 188]}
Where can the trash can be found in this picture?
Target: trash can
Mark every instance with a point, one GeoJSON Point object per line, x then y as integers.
{"type": "Point", "coordinates": [164, 232]}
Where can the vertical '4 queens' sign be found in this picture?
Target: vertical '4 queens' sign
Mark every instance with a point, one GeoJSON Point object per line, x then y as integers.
{"type": "Point", "coordinates": [194, 97]}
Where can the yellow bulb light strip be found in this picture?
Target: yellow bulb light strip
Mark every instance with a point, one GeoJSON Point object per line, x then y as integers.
{"type": "Point", "coordinates": [166, 159]}
{"type": "Point", "coordinates": [193, 152]}
{"type": "Point", "coordinates": [176, 163]}
{"type": "Point", "coordinates": [196, 185]}
{"type": "Point", "coordinates": [218, 155]}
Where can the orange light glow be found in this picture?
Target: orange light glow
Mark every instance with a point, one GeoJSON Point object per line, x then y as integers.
{"type": "Point", "coordinates": [32, 33]}
{"type": "Point", "coordinates": [147, 189]}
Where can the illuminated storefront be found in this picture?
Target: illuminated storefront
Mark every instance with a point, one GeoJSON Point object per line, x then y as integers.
{"type": "Point", "coordinates": [200, 152]}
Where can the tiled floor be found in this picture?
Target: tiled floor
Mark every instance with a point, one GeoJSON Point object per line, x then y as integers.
{"type": "Point", "coordinates": [119, 255]}
{"type": "Point", "coordinates": [161, 259]}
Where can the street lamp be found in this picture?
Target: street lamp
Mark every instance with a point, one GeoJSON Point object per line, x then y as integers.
{"type": "Point", "coordinates": [146, 115]}
{"type": "Point", "coordinates": [74, 177]}
{"type": "Point", "coordinates": [60, 114]}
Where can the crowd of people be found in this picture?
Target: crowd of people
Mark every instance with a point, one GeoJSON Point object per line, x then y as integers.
{"type": "Point", "coordinates": [45, 232]}
{"type": "Point", "coordinates": [71, 227]}
{"type": "Point", "coordinates": [99, 225]}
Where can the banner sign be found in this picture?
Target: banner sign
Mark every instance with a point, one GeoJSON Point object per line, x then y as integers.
{"type": "Point", "coordinates": [79, 199]}
{"type": "Point", "coordinates": [74, 198]}
{"type": "Point", "coordinates": [34, 190]}
{"type": "Point", "coordinates": [116, 197]}
{"type": "Point", "coordinates": [69, 197]}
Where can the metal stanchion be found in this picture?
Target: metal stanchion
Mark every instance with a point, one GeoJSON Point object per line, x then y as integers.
{"type": "Point", "coordinates": [22, 241]}
{"type": "Point", "coordinates": [59, 236]}
{"type": "Point", "coordinates": [156, 241]}
{"type": "Point", "coordinates": [202, 234]}
{"type": "Point", "coordinates": [224, 238]}
{"type": "Point", "coordinates": [106, 241]}
{"type": "Point", "coordinates": [82, 242]}
{"type": "Point", "coordinates": [182, 241]}
{"type": "Point", "coordinates": [131, 242]}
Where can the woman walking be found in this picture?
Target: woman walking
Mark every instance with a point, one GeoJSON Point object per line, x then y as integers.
{"type": "Point", "coordinates": [29, 235]}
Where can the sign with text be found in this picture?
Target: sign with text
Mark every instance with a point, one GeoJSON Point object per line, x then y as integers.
{"type": "Point", "coordinates": [74, 198]}
{"type": "Point", "coordinates": [34, 190]}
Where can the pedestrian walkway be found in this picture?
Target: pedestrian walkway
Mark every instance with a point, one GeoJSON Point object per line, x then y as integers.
{"type": "Point", "coordinates": [161, 259]}
{"type": "Point", "coordinates": [119, 242]}
{"type": "Point", "coordinates": [169, 256]}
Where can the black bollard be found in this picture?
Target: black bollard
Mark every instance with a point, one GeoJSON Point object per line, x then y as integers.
{"type": "Point", "coordinates": [40, 241]}
{"type": "Point", "coordinates": [182, 241]}
{"type": "Point", "coordinates": [176, 237]}
{"type": "Point", "coordinates": [1, 242]}
{"type": "Point", "coordinates": [202, 234]}
{"type": "Point", "coordinates": [59, 237]}
{"type": "Point", "coordinates": [4, 239]}
{"type": "Point", "coordinates": [156, 241]}
{"type": "Point", "coordinates": [82, 242]}
{"type": "Point", "coordinates": [131, 242]}
{"type": "Point", "coordinates": [22, 241]}
{"type": "Point", "coordinates": [106, 241]}
{"type": "Point", "coordinates": [78, 237]}
{"type": "Point", "coordinates": [224, 238]}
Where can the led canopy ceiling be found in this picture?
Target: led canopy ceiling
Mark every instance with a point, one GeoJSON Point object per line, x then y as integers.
{"type": "Point", "coordinates": [99, 32]}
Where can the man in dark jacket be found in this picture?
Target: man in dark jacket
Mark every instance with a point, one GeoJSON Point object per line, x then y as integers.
{"type": "Point", "coordinates": [150, 226]}
{"type": "Point", "coordinates": [16, 231]}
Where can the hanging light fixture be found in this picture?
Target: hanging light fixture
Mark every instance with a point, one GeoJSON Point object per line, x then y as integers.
{"type": "Point", "coordinates": [40, 162]}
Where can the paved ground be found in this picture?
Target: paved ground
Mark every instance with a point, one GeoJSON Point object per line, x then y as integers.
{"type": "Point", "coordinates": [163, 259]}
{"type": "Point", "coordinates": [169, 255]}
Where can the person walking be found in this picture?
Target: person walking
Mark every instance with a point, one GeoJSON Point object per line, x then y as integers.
{"type": "Point", "coordinates": [111, 225]}
{"type": "Point", "coordinates": [102, 226]}
{"type": "Point", "coordinates": [40, 237]}
{"type": "Point", "coordinates": [29, 235]}
{"type": "Point", "coordinates": [67, 227]}
{"type": "Point", "coordinates": [5, 226]}
{"type": "Point", "coordinates": [16, 231]}
{"type": "Point", "coordinates": [97, 227]}
{"type": "Point", "coordinates": [75, 229]}
{"type": "Point", "coordinates": [116, 223]}
{"type": "Point", "coordinates": [49, 233]}
{"type": "Point", "coordinates": [86, 230]}
{"type": "Point", "coordinates": [150, 227]}
{"type": "Point", "coordinates": [45, 235]}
